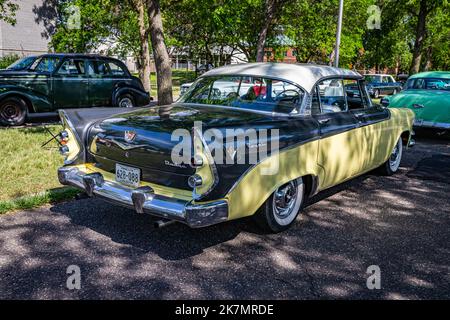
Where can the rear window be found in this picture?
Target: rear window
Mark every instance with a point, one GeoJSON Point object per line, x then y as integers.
{"type": "Point", "coordinates": [105, 68]}
{"type": "Point", "coordinates": [255, 93]}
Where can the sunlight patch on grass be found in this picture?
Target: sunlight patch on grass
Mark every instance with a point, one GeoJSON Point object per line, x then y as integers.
{"type": "Point", "coordinates": [25, 167]}
{"type": "Point", "coordinates": [37, 200]}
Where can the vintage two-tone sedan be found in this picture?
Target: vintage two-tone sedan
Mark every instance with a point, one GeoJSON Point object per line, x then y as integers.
{"type": "Point", "coordinates": [323, 137]}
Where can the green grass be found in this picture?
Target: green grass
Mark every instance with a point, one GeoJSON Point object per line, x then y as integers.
{"type": "Point", "coordinates": [28, 173]}
{"type": "Point", "coordinates": [178, 78]}
{"type": "Point", "coordinates": [37, 200]}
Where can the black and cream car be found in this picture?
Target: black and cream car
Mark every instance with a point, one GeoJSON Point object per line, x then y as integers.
{"type": "Point", "coordinates": [326, 134]}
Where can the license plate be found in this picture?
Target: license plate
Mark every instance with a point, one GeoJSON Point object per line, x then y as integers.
{"type": "Point", "coordinates": [128, 176]}
{"type": "Point", "coordinates": [418, 122]}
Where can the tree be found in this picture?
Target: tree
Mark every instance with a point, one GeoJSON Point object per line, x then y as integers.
{"type": "Point", "coordinates": [144, 51]}
{"type": "Point", "coordinates": [311, 25]}
{"type": "Point", "coordinates": [424, 11]}
{"type": "Point", "coordinates": [271, 13]}
{"type": "Point", "coordinates": [8, 10]}
{"type": "Point", "coordinates": [163, 62]}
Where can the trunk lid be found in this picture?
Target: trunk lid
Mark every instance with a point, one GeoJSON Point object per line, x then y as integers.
{"type": "Point", "coordinates": [152, 145]}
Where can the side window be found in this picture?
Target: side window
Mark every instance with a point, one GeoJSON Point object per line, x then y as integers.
{"type": "Point", "coordinates": [98, 68]}
{"type": "Point", "coordinates": [72, 67]}
{"type": "Point", "coordinates": [332, 96]}
{"type": "Point", "coordinates": [385, 79]}
{"type": "Point", "coordinates": [116, 69]}
{"type": "Point", "coordinates": [46, 64]}
{"type": "Point", "coordinates": [354, 95]}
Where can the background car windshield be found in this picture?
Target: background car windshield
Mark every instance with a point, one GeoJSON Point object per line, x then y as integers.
{"type": "Point", "coordinates": [429, 84]}
{"type": "Point", "coordinates": [46, 64]}
{"type": "Point", "coordinates": [22, 64]}
{"type": "Point", "coordinates": [255, 93]}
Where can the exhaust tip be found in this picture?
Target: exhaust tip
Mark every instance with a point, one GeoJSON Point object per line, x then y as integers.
{"type": "Point", "coordinates": [163, 223]}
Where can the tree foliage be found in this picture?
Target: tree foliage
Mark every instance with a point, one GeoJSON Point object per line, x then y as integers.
{"type": "Point", "coordinates": [214, 30]}
{"type": "Point", "coordinates": [8, 10]}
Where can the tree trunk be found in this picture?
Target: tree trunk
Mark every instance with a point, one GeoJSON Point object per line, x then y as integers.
{"type": "Point", "coordinates": [144, 71]}
{"type": "Point", "coordinates": [271, 8]}
{"type": "Point", "coordinates": [420, 37]}
{"type": "Point", "coordinates": [162, 60]}
{"type": "Point", "coordinates": [428, 62]}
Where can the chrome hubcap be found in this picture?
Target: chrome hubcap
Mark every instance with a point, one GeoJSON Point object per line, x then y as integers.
{"type": "Point", "coordinates": [10, 111]}
{"type": "Point", "coordinates": [126, 103]}
{"type": "Point", "coordinates": [285, 199]}
{"type": "Point", "coordinates": [394, 160]}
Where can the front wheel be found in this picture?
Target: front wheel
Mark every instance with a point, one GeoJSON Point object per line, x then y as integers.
{"type": "Point", "coordinates": [13, 111]}
{"type": "Point", "coordinates": [393, 163]}
{"type": "Point", "coordinates": [278, 213]}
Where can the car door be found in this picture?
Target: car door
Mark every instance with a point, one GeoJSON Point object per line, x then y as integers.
{"type": "Point", "coordinates": [373, 124]}
{"type": "Point", "coordinates": [70, 84]}
{"type": "Point", "coordinates": [340, 144]}
{"type": "Point", "coordinates": [101, 83]}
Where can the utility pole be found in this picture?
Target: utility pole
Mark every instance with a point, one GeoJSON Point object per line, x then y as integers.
{"type": "Point", "coordinates": [338, 34]}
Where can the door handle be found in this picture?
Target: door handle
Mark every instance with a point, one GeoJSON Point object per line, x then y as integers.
{"type": "Point", "coordinates": [323, 121]}
{"type": "Point", "coordinates": [418, 106]}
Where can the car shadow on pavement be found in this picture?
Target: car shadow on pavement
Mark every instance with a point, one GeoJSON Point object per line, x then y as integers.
{"type": "Point", "coordinates": [174, 242]}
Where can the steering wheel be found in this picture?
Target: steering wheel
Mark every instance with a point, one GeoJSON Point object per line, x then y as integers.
{"type": "Point", "coordinates": [283, 94]}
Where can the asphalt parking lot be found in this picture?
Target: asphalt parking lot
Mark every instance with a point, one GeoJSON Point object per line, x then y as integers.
{"type": "Point", "coordinates": [400, 223]}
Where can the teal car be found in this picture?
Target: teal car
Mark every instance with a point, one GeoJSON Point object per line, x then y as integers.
{"type": "Point", "coordinates": [428, 95]}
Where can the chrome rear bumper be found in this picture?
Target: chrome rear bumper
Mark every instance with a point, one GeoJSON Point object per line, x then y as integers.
{"type": "Point", "coordinates": [144, 199]}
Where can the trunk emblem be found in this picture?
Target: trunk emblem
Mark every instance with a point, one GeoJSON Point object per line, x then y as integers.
{"type": "Point", "coordinates": [129, 136]}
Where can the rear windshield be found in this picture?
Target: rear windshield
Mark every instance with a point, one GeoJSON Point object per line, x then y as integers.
{"type": "Point", "coordinates": [429, 84]}
{"type": "Point", "coordinates": [254, 93]}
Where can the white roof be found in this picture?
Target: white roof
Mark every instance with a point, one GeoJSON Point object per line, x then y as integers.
{"type": "Point", "coordinates": [305, 75]}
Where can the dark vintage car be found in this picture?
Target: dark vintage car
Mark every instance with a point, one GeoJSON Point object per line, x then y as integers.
{"type": "Point", "coordinates": [58, 81]}
{"type": "Point", "coordinates": [318, 138]}
{"type": "Point", "coordinates": [381, 85]}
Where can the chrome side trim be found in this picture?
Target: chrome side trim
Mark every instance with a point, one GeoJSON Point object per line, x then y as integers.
{"type": "Point", "coordinates": [431, 124]}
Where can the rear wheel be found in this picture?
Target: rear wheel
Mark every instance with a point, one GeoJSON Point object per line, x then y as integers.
{"type": "Point", "coordinates": [125, 101]}
{"type": "Point", "coordinates": [278, 213]}
{"type": "Point", "coordinates": [393, 163]}
{"type": "Point", "coordinates": [13, 111]}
